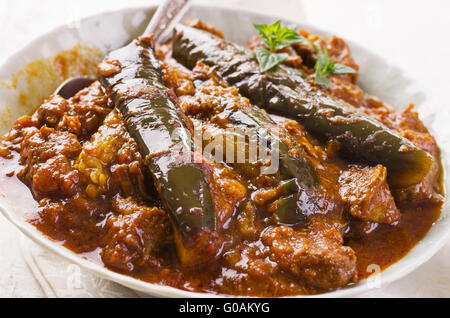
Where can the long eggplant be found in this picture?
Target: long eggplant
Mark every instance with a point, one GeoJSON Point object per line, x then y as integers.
{"type": "Point", "coordinates": [298, 199]}
{"type": "Point", "coordinates": [132, 78]}
{"type": "Point", "coordinates": [285, 91]}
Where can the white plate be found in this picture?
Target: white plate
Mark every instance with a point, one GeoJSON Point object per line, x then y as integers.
{"type": "Point", "coordinates": [112, 30]}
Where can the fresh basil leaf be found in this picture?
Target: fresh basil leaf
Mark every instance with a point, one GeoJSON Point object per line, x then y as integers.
{"type": "Point", "coordinates": [266, 32]}
{"type": "Point", "coordinates": [323, 80]}
{"type": "Point", "coordinates": [268, 60]}
{"type": "Point", "coordinates": [344, 69]}
{"type": "Point", "coordinates": [320, 64]}
{"type": "Point", "coordinates": [287, 37]}
{"type": "Point", "coordinates": [325, 67]}
{"type": "Point", "coordinates": [276, 37]}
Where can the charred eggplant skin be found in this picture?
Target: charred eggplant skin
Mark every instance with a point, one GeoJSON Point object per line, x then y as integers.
{"type": "Point", "coordinates": [162, 135]}
{"type": "Point", "coordinates": [285, 91]}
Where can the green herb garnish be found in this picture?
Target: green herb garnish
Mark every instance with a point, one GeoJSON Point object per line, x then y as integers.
{"type": "Point", "coordinates": [275, 37]}
{"type": "Point", "coordinates": [325, 67]}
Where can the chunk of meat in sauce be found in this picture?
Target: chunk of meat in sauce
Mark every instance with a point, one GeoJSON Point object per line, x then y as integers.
{"type": "Point", "coordinates": [46, 155]}
{"type": "Point", "coordinates": [80, 115]}
{"type": "Point", "coordinates": [320, 260]}
{"type": "Point", "coordinates": [310, 257]}
{"type": "Point", "coordinates": [367, 192]}
{"type": "Point", "coordinates": [248, 270]}
{"type": "Point", "coordinates": [134, 234]}
{"type": "Point", "coordinates": [77, 221]}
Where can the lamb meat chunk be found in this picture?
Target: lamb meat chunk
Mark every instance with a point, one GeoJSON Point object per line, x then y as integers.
{"type": "Point", "coordinates": [313, 257]}
{"type": "Point", "coordinates": [318, 259]}
{"type": "Point", "coordinates": [133, 235]}
{"type": "Point", "coordinates": [46, 155]}
{"type": "Point", "coordinates": [76, 221]}
{"type": "Point", "coordinates": [366, 190]}
{"type": "Point", "coordinates": [80, 115]}
{"type": "Point", "coordinates": [249, 270]}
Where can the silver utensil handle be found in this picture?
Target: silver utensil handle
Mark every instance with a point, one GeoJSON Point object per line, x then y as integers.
{"type": "Point", "coordinates": [166, 17]}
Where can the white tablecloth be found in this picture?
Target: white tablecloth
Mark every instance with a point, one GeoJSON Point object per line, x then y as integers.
{"type": "Point", "coordinates": [413, 33]}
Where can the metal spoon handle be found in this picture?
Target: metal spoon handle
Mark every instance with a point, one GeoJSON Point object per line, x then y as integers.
{"type": "Point", "coordinates": [166, 17]}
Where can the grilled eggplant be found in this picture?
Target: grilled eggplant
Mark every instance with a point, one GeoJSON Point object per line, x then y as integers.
{"type": "Point", "coordinates": [132, 78]}
{"type": "Point", "coordinates": [295, 169]}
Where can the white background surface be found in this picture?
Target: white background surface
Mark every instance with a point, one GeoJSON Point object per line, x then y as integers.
{"type": "Point", "coordinates": [411, 34]}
